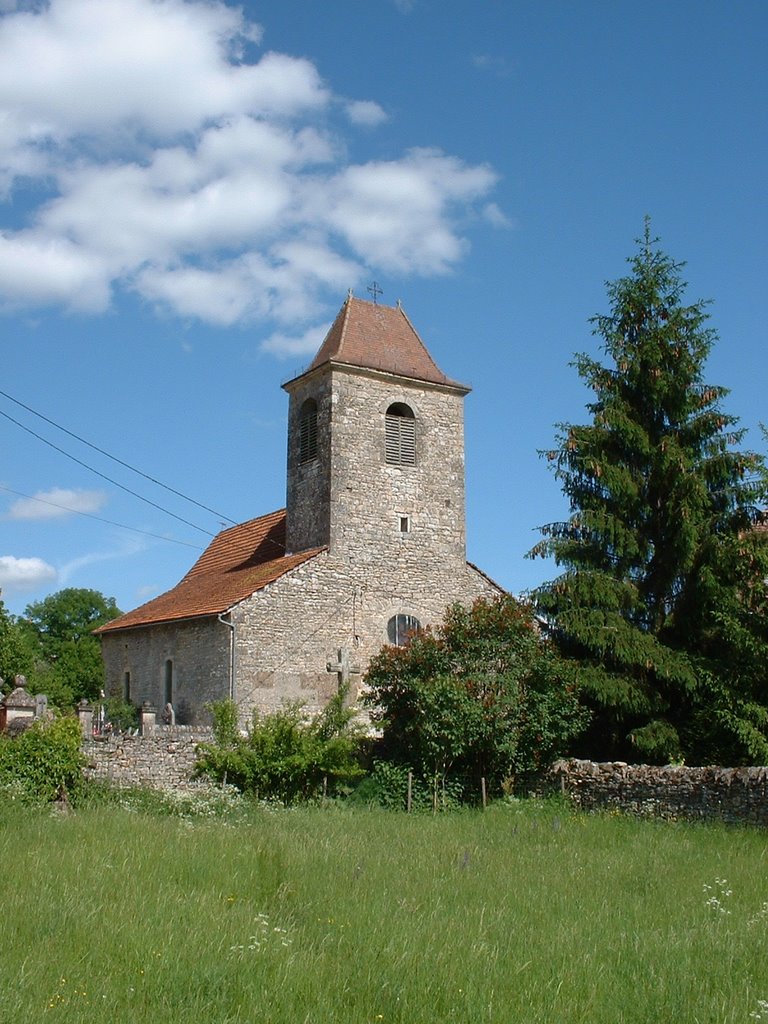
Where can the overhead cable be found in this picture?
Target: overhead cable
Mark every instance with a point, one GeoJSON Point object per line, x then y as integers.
{"type": "Point", "coordinates": [99, 519]}
{"type": "Point", "coordinates": [114, 458]}
{"type": "Point", "coordinates": [105, 477]}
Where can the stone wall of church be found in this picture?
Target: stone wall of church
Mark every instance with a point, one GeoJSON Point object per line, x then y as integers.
{"type": "Point", "coordinates": [199, 654]}
{"type": "Point", "coordinates": [349, 497]}
{"type": "Point", "coordinates": [369, 497]}
{"type": "Point", "coordinates": [287, 633]}
{"type": "Point", "coordinates": [309, 483]}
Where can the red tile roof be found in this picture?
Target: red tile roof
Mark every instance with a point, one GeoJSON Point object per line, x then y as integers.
{"type": "Point", "coordinates": [238, 562]}
{"type": "Point", "coordinates": [382, 338]}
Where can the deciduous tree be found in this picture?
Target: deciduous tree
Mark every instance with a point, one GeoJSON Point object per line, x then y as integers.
{"type": "Point", "coordinates": [69, 665]}
{"type": "Point", "coordinates": [15, 653]}
{"type": "Point", "coordinates": [481, 695]}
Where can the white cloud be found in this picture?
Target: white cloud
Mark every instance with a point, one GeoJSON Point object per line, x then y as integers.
{"type": "Point", "coordinates": [366, 112]}
{"type": "Point", "coordinates": [165, 159]}
{"type": "Point", "coordinates": [38, 268]}
{"type": "Point", "coordinates": [496, 216]}
{"type": "Point", "coordinates": [396, 214]}
{"type": "Point", "coordinates": [56, 503]}
{"type": "Point", "coordinates": [23, 574]}
{"type": "Point", "coordinates": [284, 345]}
{"type": "Point", "coordinates": [127, 547]}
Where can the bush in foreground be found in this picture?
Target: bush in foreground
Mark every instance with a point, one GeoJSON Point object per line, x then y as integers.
{"type": "Point", "coordinates": [283, 756]}
{"type": "Point", "coordinates": [45, 761]}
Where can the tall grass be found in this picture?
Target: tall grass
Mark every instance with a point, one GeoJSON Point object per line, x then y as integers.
{"type": "Point", "coordinates": [311, 916]}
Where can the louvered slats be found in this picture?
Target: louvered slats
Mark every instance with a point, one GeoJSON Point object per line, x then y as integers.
{"type": "Point", "coordinates": [400, 440]}
{"type": "Point", "coordinates": [308, 432]}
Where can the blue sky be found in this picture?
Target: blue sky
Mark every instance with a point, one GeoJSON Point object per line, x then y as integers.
{"type": "Point", "coordinates": [188, 190]}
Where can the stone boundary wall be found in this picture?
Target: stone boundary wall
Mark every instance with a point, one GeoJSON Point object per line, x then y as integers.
{"type": "Point", "coordinates": [166, 758]}
{"type": "Point", "coordinates": [163, 760]}
{"type": "Point", "coordinates": [737, 795]}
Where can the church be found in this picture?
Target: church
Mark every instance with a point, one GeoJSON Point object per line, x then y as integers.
{"type": "Point", "coordinates": [370, 547]}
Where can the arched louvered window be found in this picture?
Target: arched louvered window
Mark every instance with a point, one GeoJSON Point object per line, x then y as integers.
{"type": "Point", "coordinates": [401, 628]}
{"type": "Point", "coordinates": [400, 435]}
{"type": "Point", "coordinates": [308, 431]}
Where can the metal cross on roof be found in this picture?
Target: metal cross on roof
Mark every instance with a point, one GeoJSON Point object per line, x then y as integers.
{"type": "Point", "coordinates": [375, 291]}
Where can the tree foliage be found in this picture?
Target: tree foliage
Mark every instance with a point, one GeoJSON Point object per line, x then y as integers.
{"type": "Point", "coordinates": [284, 756]}
{"type": "Point", "coordinates": [16, 656]}
{"type": "Point", "coordinates": [481, 696]}
{"type": "Point", "coordinates": [662, 600]}
{"type": "Point", "coordinates": [45, 761]}
{"type": "Point", "coordinates": [68, 664]}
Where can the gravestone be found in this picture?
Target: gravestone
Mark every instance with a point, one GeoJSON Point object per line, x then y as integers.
{"type": "Point", "coordinates": [147, 718]}
{"type": "Point", "coordinates": [85, 716]}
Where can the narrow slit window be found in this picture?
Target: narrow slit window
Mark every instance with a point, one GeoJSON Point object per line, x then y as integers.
{"type": "Point", "coordinates": [405, 524]}
{"type": "Point", "coordinates": [308, 431]}
{"type": "Point", "coordinates": [400, 444]}
{"type": "Point", "coordinates": [168, 683]}
{"type": "Point", "coordinates": [127, 687]}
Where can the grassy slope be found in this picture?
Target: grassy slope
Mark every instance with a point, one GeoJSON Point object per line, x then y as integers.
{"type": "Point", "coordinates": [524, 913]}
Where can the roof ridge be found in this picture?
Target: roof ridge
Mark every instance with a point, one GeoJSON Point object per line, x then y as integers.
{"type": "Point", "coordinates": [344, 313]}
{"type": "Point", "coordinates": [377, 337]}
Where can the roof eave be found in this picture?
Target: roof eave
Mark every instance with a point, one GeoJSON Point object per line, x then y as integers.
{"type": "Point", "coordinates": [109, 630]}
{"type": "Point", "coordinates": [449, 386]}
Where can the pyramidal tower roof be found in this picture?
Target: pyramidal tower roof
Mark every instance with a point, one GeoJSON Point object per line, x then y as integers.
{"type": "Point", "coordinates": [376, 337]}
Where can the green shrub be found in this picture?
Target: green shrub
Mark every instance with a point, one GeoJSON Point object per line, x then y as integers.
{"type": "Point", "coordinates": [121, 713]}
{"type": "Point", "coordinates": [387, 786]}
{"type": "Point", "coordinates": [283, 756]}
{"type": "Point", "coordinates": [45, 761]}
{"type": "Point", "coordinates": [482, 696]}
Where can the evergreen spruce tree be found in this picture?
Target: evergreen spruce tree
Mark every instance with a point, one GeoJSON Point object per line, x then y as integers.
{"type": "Point", "coordinates": [662, 600]}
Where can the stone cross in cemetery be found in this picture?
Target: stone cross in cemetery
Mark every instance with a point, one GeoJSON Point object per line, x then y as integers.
{"type": "Point", "coordinates": [342, 667]}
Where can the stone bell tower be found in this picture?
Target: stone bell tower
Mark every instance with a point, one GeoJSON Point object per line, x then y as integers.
{"type": "Point", "coordinates": [376, 449]}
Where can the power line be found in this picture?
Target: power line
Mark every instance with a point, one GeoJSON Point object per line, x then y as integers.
{"type": "Point", "coordinates": [105, 477]}
{"type": "Point", "coordinates": [114, 458]}
{"type": "Point", "coordinates": [99, 519]}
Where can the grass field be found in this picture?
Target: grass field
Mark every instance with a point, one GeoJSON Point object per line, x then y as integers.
{"type": "Point", "coordinates": [524, 913]}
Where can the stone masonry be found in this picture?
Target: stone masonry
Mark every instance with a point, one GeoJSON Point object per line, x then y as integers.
{"type": "Point", "coordinates": [364, 496]}
{"type": "Point", "coordinates": [737, 795]}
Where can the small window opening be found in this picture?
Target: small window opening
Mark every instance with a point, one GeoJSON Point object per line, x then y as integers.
{"type": "Point", "coordinates": [308, 431]}
{"type": "Point", "coordinates": [127, 687]}
{"type": "Point", "coordinates": [168, 683]}
{"type": "Point", "coordinates": [400, 443]}
{"type": "Point", "coordinates": [401, 628]}
{"type": "Point", "coordinates": [405, 524]}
